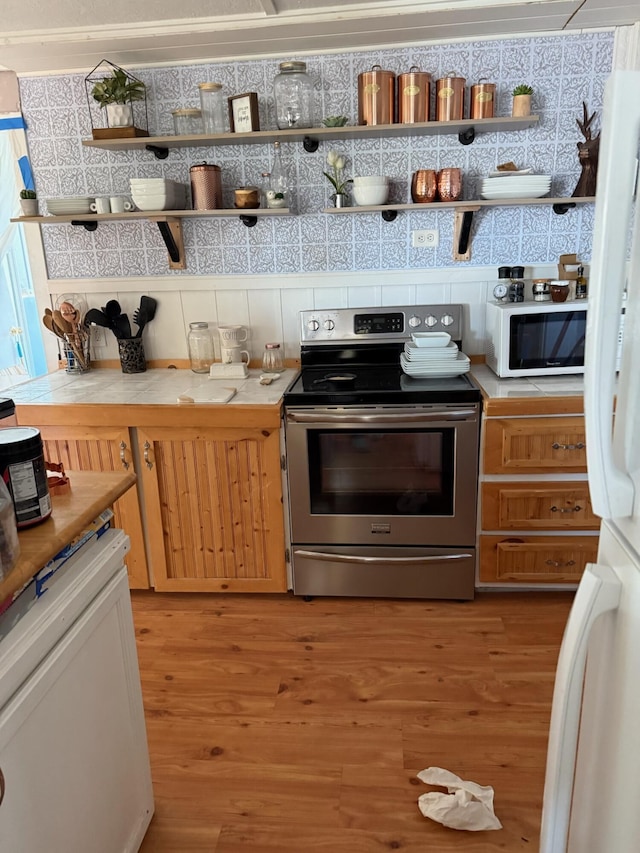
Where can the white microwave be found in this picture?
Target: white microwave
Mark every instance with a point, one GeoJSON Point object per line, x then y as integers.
{"type": "Point", "coordinates": [537, 338]}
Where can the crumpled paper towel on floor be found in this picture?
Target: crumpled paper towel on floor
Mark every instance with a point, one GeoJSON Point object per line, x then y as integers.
{"type": "Point", "coordinates": [466, 806]}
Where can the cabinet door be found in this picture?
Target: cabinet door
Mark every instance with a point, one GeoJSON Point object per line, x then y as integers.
{"type": "Point", "coordinates": [213, 503]}
{"type": "Point", "coordinates": [104, 449]}
{"type": "Point", "coordinates": [545, 506]}
{"type": "Point", "coordinates": [535, 559]}
{"type": "Point", "coordinates": [534, 445]}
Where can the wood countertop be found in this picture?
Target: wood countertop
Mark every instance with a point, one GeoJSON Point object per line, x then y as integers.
{"type": "Point", "coordinates": [91, 492]}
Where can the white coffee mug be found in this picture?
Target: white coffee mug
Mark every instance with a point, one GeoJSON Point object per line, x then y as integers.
{"type": "Point", "coordinates": [119, 204]}
{"type": "Point", "coordinates": [230, 335]}
{"type": "Point", "coordinates": [100, 205]}
{"type": "Point", "coordinates": [234, 355]}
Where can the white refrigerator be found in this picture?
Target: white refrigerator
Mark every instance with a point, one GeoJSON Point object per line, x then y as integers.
{"type": "Point", "coordinates": [592, 785]}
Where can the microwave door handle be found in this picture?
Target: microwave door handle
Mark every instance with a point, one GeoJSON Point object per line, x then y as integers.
{"type": "Point", "coordinates": [611, 487]}
{"type": "Point", "coordinates": [374, 418]}
{"type": "Point", "coordinates": [354, 558]}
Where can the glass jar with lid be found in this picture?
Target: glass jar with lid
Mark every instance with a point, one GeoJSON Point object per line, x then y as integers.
{"type": "Point", "coordinates": [212, 107]}
{"type": "Point", "coordinates": [200, 345]}
{"type": "Point", "coordinates": [272, 359]}
{"type": "Point", "coordinates": [293, 92]}
{"type": "Point", "coordinates": [187, 121]}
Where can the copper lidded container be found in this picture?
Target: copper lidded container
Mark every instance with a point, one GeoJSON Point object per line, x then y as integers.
{"type": "Point", "coordinates": [376, 96]}
{"type": "Point", "coordinates": [414, 95]}
{"type": "Point", "coordinates": [482, 100]}
{"type": "Point", "coordinates": [450, 98]}
{"type": "Point", "coordinates": [206, 186]}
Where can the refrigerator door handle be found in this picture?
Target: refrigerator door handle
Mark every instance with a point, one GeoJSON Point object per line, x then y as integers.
{"type": "Point", "coordinates": [598, 593]}
{"type": "Point", "coordinates": [612, 490]}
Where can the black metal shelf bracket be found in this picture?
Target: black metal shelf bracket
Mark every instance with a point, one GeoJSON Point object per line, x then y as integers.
{"type": "Point", "coordinates": [465, 232]}
{"type": "Point", "coordinates": [167, 235]}
{"type": "Point", "coordinates": [248, 221]}
{"type": "Point", "coordinates": [466, 137]}
{"type": "Point", "coordinates": [158, 151]}
{"type": "Point", "coordinates": [563, 208]}
{"type": "Point", "coordinates": [389, 215]}
{"type": "Point", "coordinates": [310, 144]}
{"type": "Point", "coordinates": [88, 226]}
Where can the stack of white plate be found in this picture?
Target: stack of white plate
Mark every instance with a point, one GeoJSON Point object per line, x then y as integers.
{"type": "Point", "coordinates": [69, 206]}
{"type": "Point", "coordinates": [433, 362]}
{"type": "Point", "coordinates": [158, 194]}
{"type": "Point", "coordinates": [515, 185]}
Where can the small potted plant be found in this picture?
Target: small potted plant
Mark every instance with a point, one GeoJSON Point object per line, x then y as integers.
{"type": "Point", "coordinates": [28, 203]}
{"type": "Point", "coordinates": [522, 100]}
{"type": "Point", "coordinates": [340, 184]}
{"type": "Point", "coordinates": [116, 93]}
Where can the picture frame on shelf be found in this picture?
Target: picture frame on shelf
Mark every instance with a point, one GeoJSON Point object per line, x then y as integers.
{"type": "Point", "coordinates": [243, 113]}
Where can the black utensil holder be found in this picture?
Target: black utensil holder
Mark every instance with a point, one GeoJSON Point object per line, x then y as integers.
{"type": "Point", "coordinates": [132, 358]}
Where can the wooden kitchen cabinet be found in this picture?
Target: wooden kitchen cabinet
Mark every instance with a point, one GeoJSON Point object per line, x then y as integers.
{"type": "Point", "coordinates": [95, 448]}
{"type": "Point", "coordinates": [213, 504]}
{"type": "Point", "coordinates": [525, 499]}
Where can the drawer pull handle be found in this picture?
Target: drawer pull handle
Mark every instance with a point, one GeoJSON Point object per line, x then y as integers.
{"type": "Point", "coordinates": [559, 563]}
{"type": "Point", "coordinates": [578, 446]}
{"type": "Point", "coordinates": [147, 448]}
{"type": "Point", "coordinates": [569, 509]}
{"type": "Point", "coordinates": [2, 787]}
{"type": "Point", "coordinates": [123, 458]}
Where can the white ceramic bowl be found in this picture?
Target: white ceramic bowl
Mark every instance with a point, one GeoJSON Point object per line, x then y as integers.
{"type": "Point", "coordinates": [153, 203]}
{"type": "Point", "coordinates": [370, 180]}
{"type": "Point", "coordinates": [371, 195]}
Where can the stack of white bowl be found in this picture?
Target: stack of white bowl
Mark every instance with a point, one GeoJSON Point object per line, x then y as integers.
{"type": "Point", "coordinates": [158, 194]}
{"type": "Point", "coordinates": [69, 206]}
{"type": "Point", "coordinates": [370, 189]}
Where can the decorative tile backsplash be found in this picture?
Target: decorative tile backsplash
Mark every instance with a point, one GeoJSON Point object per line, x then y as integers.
{"type": "Point", "coordinates": [564, 70]}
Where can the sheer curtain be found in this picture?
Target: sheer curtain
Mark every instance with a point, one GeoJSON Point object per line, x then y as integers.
{"type": "Point", "coordinates": [21, 349]}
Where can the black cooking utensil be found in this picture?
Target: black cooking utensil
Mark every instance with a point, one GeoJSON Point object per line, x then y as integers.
{"type": "Point", "coordinates": [122, 326]}
{"type": "Point", "coordinates": [97, 317]}
{"type": "Point", "coordinates": [145, 313]}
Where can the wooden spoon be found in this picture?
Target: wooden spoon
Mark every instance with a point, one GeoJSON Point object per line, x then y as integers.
{"type": "Point", "coordinates": [69, 335]}
{"type": "Point", "coordinates": [49, 324]}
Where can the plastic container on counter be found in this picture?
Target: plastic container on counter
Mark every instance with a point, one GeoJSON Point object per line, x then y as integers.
{"type": "Point", "coordinates": [23, 469]}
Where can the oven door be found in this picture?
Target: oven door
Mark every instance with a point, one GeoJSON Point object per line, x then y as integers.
{"type": "Point", "coordinates": [383, 475]}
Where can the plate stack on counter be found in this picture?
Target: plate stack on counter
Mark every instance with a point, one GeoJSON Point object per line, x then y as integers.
{"type": "Point", "coordinates": [518, 184]}
{"type": "Point", "coordinates": [433, 355]}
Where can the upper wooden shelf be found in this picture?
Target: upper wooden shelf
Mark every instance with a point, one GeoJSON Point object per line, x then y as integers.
{"type": "Point", "coordinates": [153, 215]}
{"type": "Point", "coordinates": [466, 130]}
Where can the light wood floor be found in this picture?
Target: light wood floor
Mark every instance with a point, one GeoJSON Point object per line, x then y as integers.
{"type": "Point", "coordinates": [277, 725]}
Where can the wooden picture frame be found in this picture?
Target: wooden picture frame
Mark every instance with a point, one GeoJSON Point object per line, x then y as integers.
{"type": "Point", "coordinates": [243, 113]}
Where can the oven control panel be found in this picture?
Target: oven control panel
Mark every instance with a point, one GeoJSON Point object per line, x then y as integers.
{"type": "Point", "coordinates": [397, 323]}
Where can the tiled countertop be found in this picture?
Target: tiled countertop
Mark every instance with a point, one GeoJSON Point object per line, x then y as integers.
{"type": "Point", "coordinates": [534, 395]}
{"type": "Point", "coordinates": [158, 386]}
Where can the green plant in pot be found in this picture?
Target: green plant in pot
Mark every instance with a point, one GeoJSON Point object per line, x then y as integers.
{"type": "Point", "coordinates": [28, 203]}
{"type": "Point", "coordinates": [116, 93]}
{"type": "Point", "coordinates": [522, 100]}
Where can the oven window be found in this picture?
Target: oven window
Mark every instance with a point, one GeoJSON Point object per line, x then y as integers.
{"type": "Point", "coordinates": [381, 472]}
{"type": "Point", "coordinates": [555, 339]}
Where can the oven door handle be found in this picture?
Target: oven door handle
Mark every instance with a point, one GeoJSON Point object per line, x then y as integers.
{"type": "Point", "coordinates": [352, 558]}
{"type": "Point", "coordinates": [405, 417]}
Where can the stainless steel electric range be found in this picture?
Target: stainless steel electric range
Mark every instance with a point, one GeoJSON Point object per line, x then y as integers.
{"type": "Point", "coordinates": [382, 468]}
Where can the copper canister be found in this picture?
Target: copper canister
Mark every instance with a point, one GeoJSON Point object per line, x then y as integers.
{"type": "Point", "coordinates": [376, 96]}
{"type": "Point", "coordinates": [482, 102]}
{"type": "Point", "coordinates": [414, 95]}
{"type": "Point", "coordinates": [450, 98]}
{"type": "Point", "coordinates": [206, 186]}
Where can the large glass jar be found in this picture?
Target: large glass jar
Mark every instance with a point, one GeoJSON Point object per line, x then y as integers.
{"type": "Point", "coordinates": [293, 91]}
{"type": "Point", "coordinates": [200, 344]}
{"type": "Point", "coordinates": [212, 107]}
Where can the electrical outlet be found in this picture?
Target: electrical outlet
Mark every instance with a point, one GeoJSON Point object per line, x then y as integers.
{"type": "Point", "coordinates": [425, 239]}
{"type": "Point", "coordinates": [97, 336]}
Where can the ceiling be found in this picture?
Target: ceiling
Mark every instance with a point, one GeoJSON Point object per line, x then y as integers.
{"type": "Point", "coordinates": [77, 35]}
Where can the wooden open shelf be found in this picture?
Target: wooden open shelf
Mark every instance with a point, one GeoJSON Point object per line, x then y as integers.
{"type": "Point", "coordinates": [468, 204]}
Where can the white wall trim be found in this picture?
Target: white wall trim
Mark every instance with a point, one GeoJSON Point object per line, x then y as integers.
{"type": "Point", "coordinates": [626, 48]}
{"type": "Point", "coordinates": [160, 284]}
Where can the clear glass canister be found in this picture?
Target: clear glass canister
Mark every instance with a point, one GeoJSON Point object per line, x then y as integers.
{"type": "Point", "coordinates": [272, 359]}
{"type": "Point", "coordinates": [278, 190]}
{"type": "Point", "coordinates": [187, 121]}
{"type": "Point", "coordinates": [293, 92]}
{"type": "Point", "coordinates": [200, 344]}
{"type": "Point", "coordinates": [212, 107]}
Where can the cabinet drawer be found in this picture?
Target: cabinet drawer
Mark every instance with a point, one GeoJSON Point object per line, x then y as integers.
{"type": "Point", "coordinates": [534, 445]}
{"type": "Point", "coordinates": [535, 559]}
{"type": "Point", "coordinates": [542, 506]}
